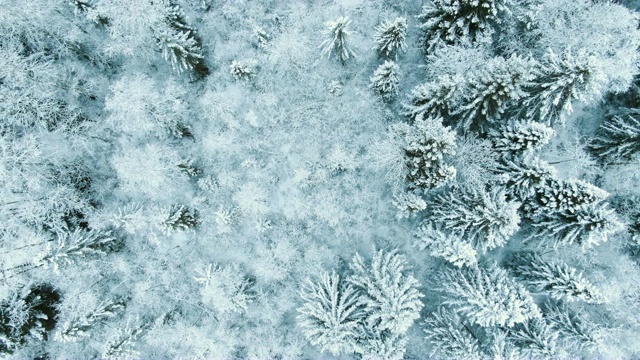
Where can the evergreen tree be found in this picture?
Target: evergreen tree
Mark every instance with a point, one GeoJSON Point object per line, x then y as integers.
{"type": "Point", "coordinates": [558, 279]}
{"type": "Point", "coordinates": [426, 145]}
{"type": "Point", "coordinates": [390, 295]}
{"type": "Point", "coordinates": [559, 80]}
{"type": "Point", "coordinates": [618, 138]}
{"type": "Point", "coordinates": [409, 204]}
{"type": "Point", "coordinates": [563, 195]}
{"type": "Point", "coordinates": [484, 218]}
{"type": "Point", "coordinates": [383, 345]}
{"type": "Point", "coordinates": [177, 217]}
{"type": "Point", "coordinates": [448, 246]}
{"type": "Point", "coordinates": [385, 80]}
{"type": "Point", "coordinates": [587, 226]}
{"type": "Point", "coordinates": [487, 296]}
{"type": "Point", "coordinates": [459, 21]}
{"type": "Point", "coordinates": [519, 137]}
{"type": "Point", "coordinates": [336, 39]}
{"type": "Point", "coordinates": [242, 70]}
{"type": "Point", "coordinates": [390, 36]}
{"type": "Point", "coordinates": [536, 338]}
{"type": "Point", "coordinates": [523, 178]}
{"type": "Point", "coordinates": [491, 90]}
{"type": "Point", "coordinates": [180, 45]}
{"type": "Point", "coordinates": [331, 314]}
{"type": "Point", "coordinates": [433, 99]}
{"type": "Point", "coordinates": [28, 312]}
{"type": "Point", "coordinates": [576, 333]}
{"type": "Point", "coordinates": [450, 337]}
{"type": "Point", "coordinates": [70, 246]}
{"type": "Point", "coordinates": [77, 327]}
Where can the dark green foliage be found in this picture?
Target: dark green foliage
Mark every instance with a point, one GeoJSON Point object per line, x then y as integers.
{"type": "Point", "coordinates": [29, 312]}
{"type": "Point", "coordinates": [618, 138]}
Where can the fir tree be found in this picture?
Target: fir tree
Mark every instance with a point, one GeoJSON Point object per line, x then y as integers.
{"type": "Point", "coordinates": [427, 144]}
{"type": "Point", "coordinates": [177, 217]}
{"type": "Point", "coordinates": [336, 34]}
{"type": "Point", "coordinates": [559, 80]}
{"type": "Point", "coordinates": [390, 36]}
{"type": "Point", "coordinates": [409, 204]}
{"type": "Point", "coordinates": [450, 337]}
{"type": "Point", "coordinates": [433, 99]}
{"type": "Point", "coordinates": [576, 332]}
{"type": "Point", "coordinates": [484, 218]}
{"type": "Point", "coordinates": [558, 279]}
{"type": "Point", "coordinates": [459, 21]}
{"type": "Point", "coordinates": [382, 345]}
{"type": "Point", "coordinates": [519, 137]}
{"type": "Point", "coordinates": [448, 246]}
{"type": "Point", "coordinates": [242, 70]}
{"type": "Point", "coordinates": [74, 329]}
{"type": "Point", "coordinates": [618, 138]}
{"type": "Point", "coordinates": [523, 178]}
{"type": "Point", "coordinates": [390, 295]}
{"type": "Point", "coordinates": [29, 312]}
{"type": "Point", "coordinates": [536, 338]}
{"type": "Point", "coordinates": [487, 296]}
{"type": "Point", "coordinates": [385, 80]}
{"type": "Point", "coordinates": [563, 195]}
{"type": "Point", "coordinates": [587, 226]}
{"type": "Point", "coordinates": [71, 246]}
{"type": "Point", "coordinates": [331, 314]}
{"type": "Point", "coordinates": [180, 45]}
{"type": "Point", "coordinates": [490, 91]}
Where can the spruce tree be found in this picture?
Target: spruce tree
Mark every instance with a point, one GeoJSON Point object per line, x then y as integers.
{"type": "Point", "coordinates": [331, 314]}
{"type": "Point", "coordinates": [433, 99]}
{"type": "Point", "coordinates": [576, 333]}
{"type": "Point", "coordinates": [491, 90]}
{"type": "Point", "coordinates": [459, 21]}
{"type": "Point", "coordinates": [78, 327]}
{"type": "Point", "coordinates": [587, 226]}
{"type": "Point", "coordinates": [558, 80]}
{"type": "Point", "coordinates": [409, 204]}
{"type": "Point", "coordinates": [180, 45]}
{"type": "Point", "coordinates": [450, 337]}
{"type": "Point", "coordinates": [556, 278]}
{"type": "Point", "coordinates": [523, 178]}
{"type": "Point", "coordinates": [519, 137]}
{"type": "Point", "coordinates": [485, 217]}
{"type": "Point", "coordinates": [563, 195]}
{"type": "Point", "coordinates": [448, 246]}
{"type": "Point", "coordinates": [487, 296]}
{"type": "Point", "coordinates": [536, 338]}
{"type": "Point", "coordinates": [385, 80]}
{"type": "Point", "coordinates": [426, 146]}
{"type": "Point", "coordinates": [390, 293]}
{"type": "Point", "coordinates": [335, 42]}
{"type": "Point", "coordinates": [618, 138]}
{"type": "Point", "coordinates": [390, 36]}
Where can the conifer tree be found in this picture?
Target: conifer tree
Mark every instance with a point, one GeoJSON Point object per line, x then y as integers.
{"type": "Point", "coordinates": [390, 36]}
{"type": "Point", "coordinates": [487, 296]}
{"type": "Point", "coordinates": [450, 337]}
{"type": "Point", "coordinates": [575, 332]}
{"type": "Point", "coordinates": [433, 99]}
{"type": "Point", "coordinates": [77, 327]}
{"type": "Point", "coordinates": [618, 138]}
{"type": "Point", "coordinates": [409, 204]}
{"type": "Point", "coordinates": [331, 314]}
{"type": "Point", "coordinates": [536, 338]}
{"type": "Point", "coordinates": [390, 296]}
{"type": "Point", "coordinates": [336, 34]}
{"type": "Point", "coordinates": [385, 80]}
{"type": "Point", "coordinates": [491, 90]}
{"type": "Point", "coordinates": [448, 246]}
{"type": "Point", "coordinates": [523, 178]}
{"type": "Point", "coordinates": [180, 45]}
{"type": "Point", "coordinates": [484, 218]}
{"type": "Point", "coordinates": [558, 279]}
{"type": "Point", "coordinates": [71, 246]}
{"type": "Point", "coordinates": [563, 195]}
{"type": "Point", "coordinates": [519, 137]}
{"type": "Point", "coordinates": [177, 217]}
{"type": "Point", "coordinates": [559, 80]}
{"type": "Point", "coordinates": [225, 288]}
{"type": "Point", "coordinates": [459, 21]}
{"type": "Point", "coordinates": [587, 226]}
{"type": "Point", "coordinates": [242, 70]}
{"type": "Point", "coordinates": [427, 144]}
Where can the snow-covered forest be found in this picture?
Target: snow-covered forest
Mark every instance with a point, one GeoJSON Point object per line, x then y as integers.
{"type": "Point", "coordinates": [348, 179]}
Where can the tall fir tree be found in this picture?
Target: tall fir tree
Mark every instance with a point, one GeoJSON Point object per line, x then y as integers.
{"type": "Point", "coordinates": [523, 178]}
{"type": "Point", "coordinates": [447, 246]}
{"type": "Point", "coordinates": [491, 90]}
{"type": "Point", "coordinates": [331, 314]}
{"type": "Point", "coordinates": [335, 41]}
{"type": "Point", "coordinates": [520, 137]}
{"type": "Point", "coordinates": [556, 278]}
{"type": "Point", "coordinates": [483, 217]}
{"type": "Point", "coordinates": [391, 297]}
{"type": "Point", "coordinates": [618, 138]}
{"type": "Point", "coordinates": [536, 338]}
{"type": "Point", "coordinates": [487, 296]}
{"type": "Point", "coordinates": [390, 36]}
{"type": "Point", "coordinates": [433, 99]}
{"type": "Point", "coordinates": [459, 21]}
{"type": "Point", "coordinates": [385, 80]}
{"type": "Point", "coordinates": [450, 337]}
